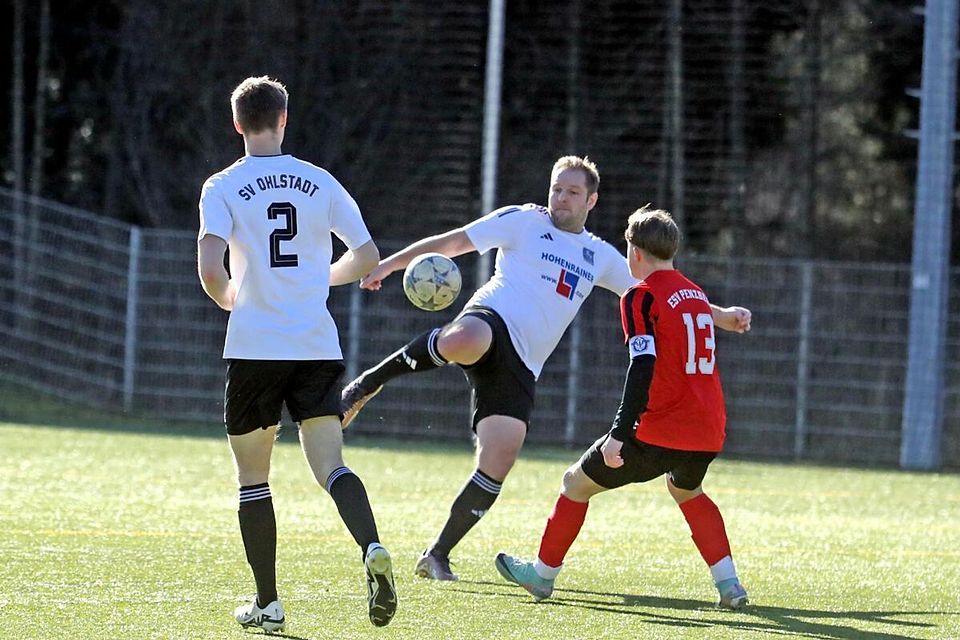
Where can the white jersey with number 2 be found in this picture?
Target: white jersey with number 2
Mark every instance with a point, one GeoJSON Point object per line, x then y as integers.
{"type": "Point", "coordinates": [276, 214]}
{"type": "Point", "coordinates": [542, 277]}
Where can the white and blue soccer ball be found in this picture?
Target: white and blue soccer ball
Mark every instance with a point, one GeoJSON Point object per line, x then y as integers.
{"type": "Point", "coordinates": [432, 281]}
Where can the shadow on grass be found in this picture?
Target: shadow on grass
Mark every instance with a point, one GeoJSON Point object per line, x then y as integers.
{"type": "Point", "coordinates": [788, 622]}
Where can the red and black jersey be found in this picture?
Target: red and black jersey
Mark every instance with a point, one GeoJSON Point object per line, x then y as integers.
{"type": "Point", "coordinates": [669, 317]}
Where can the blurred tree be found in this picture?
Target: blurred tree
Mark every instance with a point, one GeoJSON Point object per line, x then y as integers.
{"type": "Point", "coordinates": [862, 204]}
{"type": "Point", "coordinates": [794, 110]}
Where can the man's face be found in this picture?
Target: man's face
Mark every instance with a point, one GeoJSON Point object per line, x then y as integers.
{"type": "Point", "coordinates": [569, 200]}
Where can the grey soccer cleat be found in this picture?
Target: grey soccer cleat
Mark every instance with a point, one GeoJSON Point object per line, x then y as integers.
{"type": "Point", "coordinates": [381, 591]}
{"type": "Point", "coordinates": [352, 399]}
{"type": "Point", "coordinates": [522, 573]}
{"type": "Point", "coordinates": [733, 596]}
{"type": "Point", "coordinates": [434, 567]}
{"type": "Point", "coordinates": [270, 618]}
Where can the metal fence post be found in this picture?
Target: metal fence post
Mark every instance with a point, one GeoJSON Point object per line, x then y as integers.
{"type": "Point", "coordinates": [353, 332]}
{"type": "Point", "coordinates": [803, 359]}
{"type": "Point", "coordinates": [573, 382]}
{"type": "Point", "coordinates": [130, 337]}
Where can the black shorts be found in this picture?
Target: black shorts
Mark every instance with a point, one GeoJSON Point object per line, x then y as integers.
{"type": "Point", "coordinates": [257, 390]}
{"type": "Point", "coordinates": [643, 462]}
{"type": "Point", "coordinates": [502, 384]}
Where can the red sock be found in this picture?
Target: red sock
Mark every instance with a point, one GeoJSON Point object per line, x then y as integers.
{"type": "Point", "coordinates": [562, 529]}
{"type": "Point", "coordinates": [706, 525]}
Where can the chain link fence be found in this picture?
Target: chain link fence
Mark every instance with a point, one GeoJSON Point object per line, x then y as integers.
{"type": "Point", "coordinates": [113, 316]}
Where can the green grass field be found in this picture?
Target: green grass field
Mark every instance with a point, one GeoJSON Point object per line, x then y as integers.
{"type": "Point", "coordinates": [123, 533]}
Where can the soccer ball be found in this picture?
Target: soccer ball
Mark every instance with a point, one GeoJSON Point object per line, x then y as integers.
{"type": "Point", "coordinates": [432, 281]}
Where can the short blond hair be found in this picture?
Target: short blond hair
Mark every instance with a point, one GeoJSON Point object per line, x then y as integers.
{"type": "Point", "coordinates": [583, 164]}
{"type": "Point", "coordinates": [258, 103]}
{"type": "Point", "coordinates": [654, 231]}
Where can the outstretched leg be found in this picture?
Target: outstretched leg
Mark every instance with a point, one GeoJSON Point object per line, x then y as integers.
{"type": "Point", "coordinates": [463, 341]}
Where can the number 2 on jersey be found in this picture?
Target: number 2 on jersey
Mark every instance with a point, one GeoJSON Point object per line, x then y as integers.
{"type": "Point", "coordinates": [288, 211]}
{"type": "Point", "coordinates": [696, 363]}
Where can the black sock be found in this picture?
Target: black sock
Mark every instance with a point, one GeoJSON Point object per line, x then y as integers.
{"type": "Point", "coordinates": [476, 497]}
{"type": "Point", "coordinates": [258, 528]}
{"type": "Point", "coordinates": [348, 493]}
{"type": "Point", "coordinates": [420, 354]}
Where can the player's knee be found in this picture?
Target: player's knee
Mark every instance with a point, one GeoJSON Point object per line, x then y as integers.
{"type": "Point", "coordinates": [576, 486]}
{"type": "Point", "coordinates": [681, 494]}
{"type": "Point", "coordinates": [568, 483]}
{"type": "Point", "coordinates": [464, 342]}
{"type": "Point", "coordinates": [497, 462]}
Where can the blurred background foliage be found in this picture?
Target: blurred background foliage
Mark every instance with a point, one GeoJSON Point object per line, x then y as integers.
{"type": "Point", "coordinates": [770, 128]}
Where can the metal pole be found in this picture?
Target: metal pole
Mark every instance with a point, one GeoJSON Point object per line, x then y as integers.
{"type": "Point", "coordinates": [803, 360]}
{"type": "Point", "coordinates": [922, 426]}
{"type": "Point", "coordinates": [491, 122]}
{"type": "Point", "coordinates": [491, 127]}
{"type": "Point", "coordinates": [677, 172]}
{"type": "Point", "coordinates": [130, 337]}
{"type": "Point", "coordinates": [573, 135]}
{"type": "Point", "coordinates": [354, 329]}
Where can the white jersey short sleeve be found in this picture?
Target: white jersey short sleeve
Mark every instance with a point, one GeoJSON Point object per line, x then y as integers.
{"type": "Point", "coordinates": [277, 214]}
{"type": "Point", "coordinates": [542, 277]}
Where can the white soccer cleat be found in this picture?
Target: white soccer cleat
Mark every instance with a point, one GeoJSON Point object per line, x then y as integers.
{"type": "Point", "coordinates": [270, 618]}
{"type": "Point", "coordinates": [381, 591]}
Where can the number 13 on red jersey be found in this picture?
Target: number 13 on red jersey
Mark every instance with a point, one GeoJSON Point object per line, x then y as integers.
{"type": "Point", "coordinates": [700, 354]}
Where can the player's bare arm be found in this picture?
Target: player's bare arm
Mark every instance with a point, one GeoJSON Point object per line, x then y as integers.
{"type": "Point", "coordinates": [213, 276]}
{"type": "Point", "coordinates": [736, 319]}
{"type": "Point", "coordinates": [451, 244]}
{"type": "Point", "coordinates": [355, 264]}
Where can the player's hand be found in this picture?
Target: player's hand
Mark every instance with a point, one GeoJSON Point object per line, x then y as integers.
{"type": "Point", "coordinates": [373, 280]}
{"type": "Point", "coordinates": [736, 319]}
{"type": "Point", "coordinates": [610, 449]}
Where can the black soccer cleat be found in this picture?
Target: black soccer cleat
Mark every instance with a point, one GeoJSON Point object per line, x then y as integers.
{"type": "Point", "coordinates": [352, 399]}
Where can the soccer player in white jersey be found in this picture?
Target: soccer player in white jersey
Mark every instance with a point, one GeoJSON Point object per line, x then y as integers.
{"type": "Point", "coordinates": [547, 264]}
{"type": "Point", "coordinates": [276, 214]}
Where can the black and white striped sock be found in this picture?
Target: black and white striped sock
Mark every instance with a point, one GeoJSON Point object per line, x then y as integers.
{"type": "Point", "coordinates": [258, 528]}
{"type": "Point", "coordinates": [350, 496]}
{"type": "Point", "coordinates": [475, 499]}
{"type": "Point", "coordinates": [418, 355]}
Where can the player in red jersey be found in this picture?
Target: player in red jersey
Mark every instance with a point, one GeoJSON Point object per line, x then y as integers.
{"type": "Point", "coordinates": [671, 418]}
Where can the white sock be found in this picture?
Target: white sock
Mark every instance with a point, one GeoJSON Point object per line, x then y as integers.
{"type": "Point", "coordinates": [545, 571]}
{"type": "Point", "coordinates": [723, 570]}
